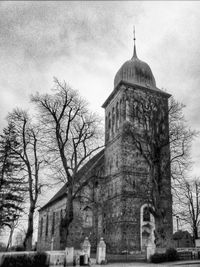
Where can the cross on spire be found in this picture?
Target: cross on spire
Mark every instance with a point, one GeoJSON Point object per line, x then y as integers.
{"type": "Point", "coordinates": [134, 48]}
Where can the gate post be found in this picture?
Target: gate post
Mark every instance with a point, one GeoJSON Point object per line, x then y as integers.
{"type": "Point", "coordinates": [101, 252]}
{"type": "Point", "coordinates": [150, 250]}
{"type": "Point", "coordinates": [69, 255]}
{"type": "Point", "coordinates": [52, 241]}
{"type": "Point", "coordinates": [86, 246]}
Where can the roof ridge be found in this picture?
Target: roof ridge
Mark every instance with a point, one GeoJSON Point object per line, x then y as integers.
{"type": "Point", "coordinates": [61, 192]}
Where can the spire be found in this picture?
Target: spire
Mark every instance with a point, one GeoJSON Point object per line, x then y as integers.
{"type": "Point", "coordinates": [134, 49]}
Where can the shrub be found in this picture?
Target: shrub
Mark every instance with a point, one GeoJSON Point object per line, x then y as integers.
{"type": "Point", "coordinates": [171, 254]}
{"type": "Point", "coordinates": [40, 259]}
{"type": "Point", "coordinates": [19, 248]}
{"type": "Point", "coordinates": [16, 261]}
{"type": "Point", "coordinates": [26, 260]}
{"type": "Point", "coordinates": [158, 257]}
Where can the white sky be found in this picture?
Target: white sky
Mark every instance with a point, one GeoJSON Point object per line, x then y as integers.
{"type": "Point", "coordinates": [85, 43]}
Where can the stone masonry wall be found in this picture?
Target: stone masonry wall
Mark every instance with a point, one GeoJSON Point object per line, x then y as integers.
{"type": "Point", "coordinates": [81, 226]}
{"type": "Point", "coordinates": [123, 160]}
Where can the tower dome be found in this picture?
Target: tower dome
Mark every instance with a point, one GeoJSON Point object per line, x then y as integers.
{"type": "Point", "coordinates": [135, 71]}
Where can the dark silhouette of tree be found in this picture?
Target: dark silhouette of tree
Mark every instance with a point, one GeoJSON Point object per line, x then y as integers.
{"type": "Point", "coordinates": [188, 204]}
{"type": "Point", "coordinates": [11, 186]}
{"type": "Point", "coordinates": [29, 151]}
{"type": "Point", "coordinates": [72, 136]}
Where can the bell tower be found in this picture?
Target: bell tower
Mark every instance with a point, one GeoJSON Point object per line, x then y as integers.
{"type": "Point", "coordinates": [126, 223]}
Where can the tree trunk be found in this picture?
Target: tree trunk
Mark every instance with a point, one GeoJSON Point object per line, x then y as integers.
{"type": "Point", "coordinates": [158, 195]}
{"type": "Point", "coordinates": [195, 231]}
{"type": "Point", "coordinates": [10, 238]}
{"type": "Point", "coordinates": [29, 233]}
{"type": "Point", "coordinates": [67, 220]}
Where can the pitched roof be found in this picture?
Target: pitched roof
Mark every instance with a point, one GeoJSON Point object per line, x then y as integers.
{"type": "Point", "coordinates": [150, 89]}
{"type": "Point", "coordinates": [88, 167]}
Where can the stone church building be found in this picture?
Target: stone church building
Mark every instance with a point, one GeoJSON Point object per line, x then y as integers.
{"type": "Point", "coordinates": [119, 209]}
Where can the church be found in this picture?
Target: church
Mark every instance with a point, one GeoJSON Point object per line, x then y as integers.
{"type": "Point", "coordinates": [120, 207]}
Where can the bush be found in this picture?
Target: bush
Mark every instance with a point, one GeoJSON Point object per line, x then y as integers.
{"type": "Point", "coordinates": [172, 254]}
{"type": "Point", "coordinates": [26, 260]}
{"type": "Point", "coordinates": [158, 257]}
{"type": "Point", "coordinates": [19, 248]}
{"type": "Point", "coordinates": [15, 261]}
{"type": "Point", "coordinates": [39, 260]}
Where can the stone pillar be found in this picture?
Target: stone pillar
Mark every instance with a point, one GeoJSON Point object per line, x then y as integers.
{"type": "Point", "coordinates": [197, 243]}
{"type": "Point", "coordinates": [101, 252]}
{"type": "Point", "coordinates": [150, 250]}
{"type": "Point", "coordinates": [69, 254]}
{"type": "Point", "coordinates": [86, 247]}
{"type": "Point", "coordinates": [52, 241]}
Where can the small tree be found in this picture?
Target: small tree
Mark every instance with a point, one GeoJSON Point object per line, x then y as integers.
{"type": "Point", "coordinates": [188, 204]}
{"type": "Point", "coordinates": [11, 186]}
{"type": "Point", "coordinates": [72, 136]}
{"type": "Point", "coordinates": [28, 150]}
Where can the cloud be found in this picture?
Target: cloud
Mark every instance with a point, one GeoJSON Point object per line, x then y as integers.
{"type": "Point", "coordinates": [85, 43]}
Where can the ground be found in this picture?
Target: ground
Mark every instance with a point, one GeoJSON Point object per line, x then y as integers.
{"type": "Point", "coordinates": [192, 263]}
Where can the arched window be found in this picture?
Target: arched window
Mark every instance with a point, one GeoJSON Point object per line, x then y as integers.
{"type": "Point", "coordinates": [146, 215]}
{"type": "Point", "coordinates": [47, 225]}
{"type": "Point", "coordinates": [88, 217]}
{"type": "Point", "coordinates": [41, 227]}
{"type": "Point", "coordinates": [124, 109]}
{"type": "Point", "coordinates": [109, 126]}
{"type": "Point", "coordinates": [53, 224]}
{"type": "Point", "coordinates": [107, 129]}
{"type": "Point", "coordinates": [120, 111]}
{"type": "Point", "coordinates": [117, 115]}
{"type": "Point", "coordinates": [113, 120]}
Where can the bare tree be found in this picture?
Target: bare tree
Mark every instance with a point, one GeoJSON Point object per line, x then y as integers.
{"type": "Point", "coordinates": [28, 150]}
{"type": "Point", "coordinates": [158, 131]}
{"type": "Point", "coordinates": [188, 204]}
{"type": "Point", "coordinates": [72, 137]}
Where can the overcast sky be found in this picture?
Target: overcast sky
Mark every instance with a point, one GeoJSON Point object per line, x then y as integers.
{"type": "Point", "coordinates": [85, 43]}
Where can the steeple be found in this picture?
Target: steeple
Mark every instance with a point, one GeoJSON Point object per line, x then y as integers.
{"type": "Point", "coordinates": [134, 48]}
{"type": "Point", "coordinates": [135, 71]}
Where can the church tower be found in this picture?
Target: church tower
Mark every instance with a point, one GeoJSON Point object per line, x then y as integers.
{"type": "Point", "coordinates": [129, 213]}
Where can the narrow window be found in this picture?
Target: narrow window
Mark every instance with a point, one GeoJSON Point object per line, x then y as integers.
{"type": "Point", "coordinates": [41, 227]}
{"type": "Point", "coordinates": [53, 224]}
{"type": "Point", "coordinates": [124, 108]}
{"type": "Point", "coordinates": [107, 129]}
{"type": "Point", "coordinates": [109, 126]}
{"type": "Point", "coordinates": [47, 225]}
{"type": "Point", "coordinates": [120, 111]}
{"type": "Point", "coordinates": [113, 120]}
{"type": "Point", "coordinates": [117, 115]}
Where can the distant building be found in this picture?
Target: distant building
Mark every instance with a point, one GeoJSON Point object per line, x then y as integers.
{"type": "Point", "coordinates": [120, 214]}
{"type": "Point", "coordinates": [183, 239]}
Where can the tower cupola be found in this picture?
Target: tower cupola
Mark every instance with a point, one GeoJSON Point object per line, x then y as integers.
{"type": "Point", "coordinates": [135, 71]}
